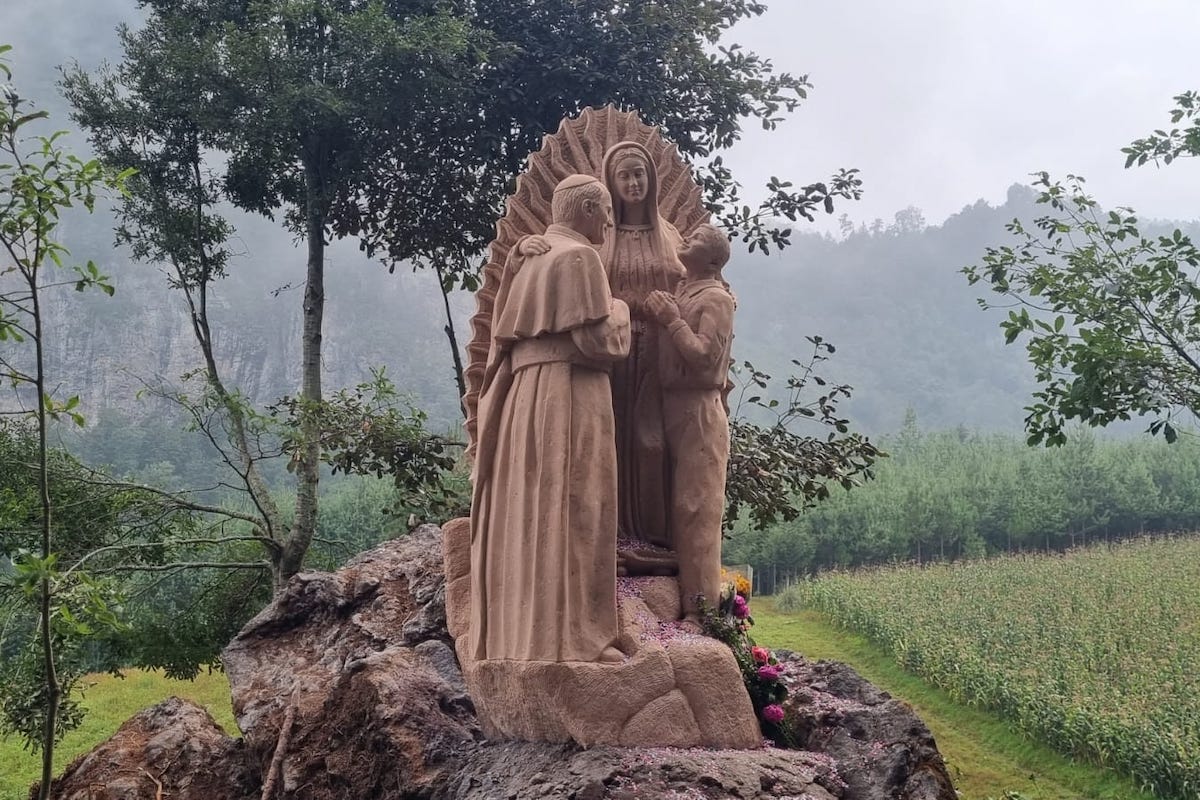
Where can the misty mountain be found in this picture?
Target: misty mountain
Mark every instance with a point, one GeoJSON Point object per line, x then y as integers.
{"type": "Point", "coordinates": [906, 326]}
{"type": "Point", "coordinates": [889, 296]}
{"type": "Point", "coordinates": [908, 330]}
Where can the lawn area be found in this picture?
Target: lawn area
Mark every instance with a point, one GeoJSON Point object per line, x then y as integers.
{"type": "Point", "coordinates": [110, 701]}
{"type": "Point", "coordinates": [985, 758]}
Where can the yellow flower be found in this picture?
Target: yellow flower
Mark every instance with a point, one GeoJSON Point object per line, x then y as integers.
{"type": "Point", "coordinates": [736, 583]}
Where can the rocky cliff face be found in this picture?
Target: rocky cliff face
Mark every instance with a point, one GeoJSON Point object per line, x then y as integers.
{"type": "Point", "coordinates": [345, 687]}
{"type": "Point", "coordinates": [106, 349]}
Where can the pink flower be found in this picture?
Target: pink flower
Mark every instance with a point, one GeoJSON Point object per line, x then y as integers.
{"type": "Point", "coordinates": [741, 609]}
{"type": "Point", "coordinates": [761, 654]}
{"type": "Point", "coordinates": [773, 713]}
{"type": "Point", "coordinates": [768, 673]}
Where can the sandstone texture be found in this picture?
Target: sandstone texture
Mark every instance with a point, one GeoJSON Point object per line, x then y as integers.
{"type": "Point", "coordinates": [853, 722]}
{"type": "Point", "coordinates": [346, 687]}
{"type": "Point", "coordinates": [676, 688]}
{"type": "Point", "coordinates": [174, 749]}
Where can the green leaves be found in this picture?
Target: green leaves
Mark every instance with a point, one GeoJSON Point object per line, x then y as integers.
{"type": "Point", "coordinates": [370, 430]}
{"type": "Point", "coordinates": [57, 411]}
{"type": "Point", "coordinates": [1111, 316]}
{"type": "Point", "coordinates": [1166, 146]}
{"type": "Point", "coordinates": [90, 276]}
{"type": "Point", "coordinates": [774, 472]}
{"type": "Point", "coordinates": [37, 180]}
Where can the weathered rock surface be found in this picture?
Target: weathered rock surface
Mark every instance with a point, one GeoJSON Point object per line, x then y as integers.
{"type": "Point", "coordinates": [847, 718]}
{"type": "Point", "coordinates": [352, 676]}
{"type": "Point", "coordinates": [174, 749]}
{"type": "Point", "coordinates": [676, 688]}
{"type": "Point", "coordinates": [522, 771]}
{"type": "Point", "coordinates": [357, 665]}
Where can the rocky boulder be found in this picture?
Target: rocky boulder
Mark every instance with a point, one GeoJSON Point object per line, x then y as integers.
{"type": "Point", "coordinates": [174, 749]}
{"type": "Point", "coordinates": [346, 687]}
{"type": "Point", "coordinates": [840, 714]}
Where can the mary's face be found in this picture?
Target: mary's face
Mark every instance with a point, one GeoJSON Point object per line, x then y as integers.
{"type": "Point", "coordinates": [631, 180]}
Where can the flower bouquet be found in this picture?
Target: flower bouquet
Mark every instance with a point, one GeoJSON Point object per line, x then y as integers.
{"type": "Point", "coordinates": [762, 674]}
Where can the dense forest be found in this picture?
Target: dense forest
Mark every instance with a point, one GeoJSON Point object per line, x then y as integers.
{"type": "Point", "coordinates": [953, 494]}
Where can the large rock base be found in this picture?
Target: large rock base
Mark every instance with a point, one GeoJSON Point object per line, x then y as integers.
{"type": "Point", "coordinates": [174, 749]}
{"type": "Point", "coordinates": [675, 689]}
{"type": "Point", "coordinates": [346, 688]}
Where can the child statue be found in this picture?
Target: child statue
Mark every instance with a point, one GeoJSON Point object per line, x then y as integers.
{"type": "Point", "coordinates": [693, 369]}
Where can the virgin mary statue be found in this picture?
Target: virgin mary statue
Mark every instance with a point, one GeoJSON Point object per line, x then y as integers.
{"type": "Point", "coordinates": [640, 257]}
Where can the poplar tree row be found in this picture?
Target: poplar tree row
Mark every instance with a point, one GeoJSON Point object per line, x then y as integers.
{"type": "Point", "coordinates": [957, 494]}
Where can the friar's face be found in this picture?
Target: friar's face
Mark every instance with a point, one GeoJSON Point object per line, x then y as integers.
{"type": "Point", "coordinates": [597, 217]}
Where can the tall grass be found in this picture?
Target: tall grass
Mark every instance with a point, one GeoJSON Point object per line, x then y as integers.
{"type": "Point", "coordinates": [1096, 652]}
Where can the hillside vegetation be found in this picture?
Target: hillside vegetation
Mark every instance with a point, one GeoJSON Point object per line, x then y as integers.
{"type": "Point", "coordinates": [1095, 652]}
{"type": "Point", "coordinates": [947, 495]}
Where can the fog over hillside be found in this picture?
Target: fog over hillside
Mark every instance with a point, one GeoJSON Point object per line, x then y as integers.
{"type": "Point", "coordinates": [888, 294]}
{"type": "Point", "coordinates": [906, 326]}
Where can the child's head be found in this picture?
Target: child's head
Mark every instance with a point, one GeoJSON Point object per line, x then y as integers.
{"type": "Point", "coordinates": [705, 252]}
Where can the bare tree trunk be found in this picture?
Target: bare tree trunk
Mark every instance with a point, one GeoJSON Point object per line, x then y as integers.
{"type": "Point", "coordinates": [53, 689]}
{"type": "Point", "coordinates": [260, 493]}
{"type": "Point", "coordinates": [308, 468]}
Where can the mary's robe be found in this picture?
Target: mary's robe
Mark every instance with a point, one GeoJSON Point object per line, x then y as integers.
{"type": "Point", "coordinates": [544, 508]}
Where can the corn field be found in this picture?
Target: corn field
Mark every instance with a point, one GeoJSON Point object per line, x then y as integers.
{"type": "Point", "coordinates": [1096, 652]}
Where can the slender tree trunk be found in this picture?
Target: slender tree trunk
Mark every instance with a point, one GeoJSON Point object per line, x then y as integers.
{"type": "Point", "coordinates": [308, 468]}
{"type": "Point", "coordinates": [459, 379]}
{"type": "Point", "coordinates": [53, 689]}
{"type": "Point", "coordinates": [260, 493]}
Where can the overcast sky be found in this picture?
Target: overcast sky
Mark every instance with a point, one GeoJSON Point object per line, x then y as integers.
{"type": "Point", "coordinates": [942, 102]}
{"type": "Point", "coordinates": [938, 102]}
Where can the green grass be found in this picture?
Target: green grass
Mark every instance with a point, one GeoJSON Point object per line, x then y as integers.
{"type": "Point", "coordinates": [984, 756]}
{"type": "Point", "coordinates": [109, 702]}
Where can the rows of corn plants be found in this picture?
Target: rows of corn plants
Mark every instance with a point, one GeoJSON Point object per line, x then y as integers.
{"type": "Point", "coordinates": [1096, 652]}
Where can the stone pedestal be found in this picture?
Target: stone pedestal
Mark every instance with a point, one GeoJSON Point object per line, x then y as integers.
{"type": "Point", "coordinates": [676, 688]}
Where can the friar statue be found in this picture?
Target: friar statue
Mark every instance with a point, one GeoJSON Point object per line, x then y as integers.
{"type": "Point", "coordinates": [544, 508]}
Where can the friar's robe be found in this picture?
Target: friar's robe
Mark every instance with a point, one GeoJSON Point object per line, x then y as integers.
{"type": "Point", "coordinates": [543, 513]}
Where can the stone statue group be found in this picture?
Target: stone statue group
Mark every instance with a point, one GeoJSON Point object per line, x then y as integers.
{"type": "Point", "coordinates": [601, 419]}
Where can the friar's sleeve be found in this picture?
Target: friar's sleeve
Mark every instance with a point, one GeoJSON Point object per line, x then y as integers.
{"type": "Point", "coordinates": [566, 290]}
{"type": "Point", "coordinates": [608, 339]}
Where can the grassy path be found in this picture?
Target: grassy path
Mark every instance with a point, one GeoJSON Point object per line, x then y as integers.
{"type": "Point", "coordinates": [985, 758]}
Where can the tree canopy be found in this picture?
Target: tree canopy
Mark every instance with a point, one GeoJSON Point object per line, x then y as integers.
{"type": "Point", "coordinates": [1111, 313]}
{"type": "Point", "coordinates": [400, 123]}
